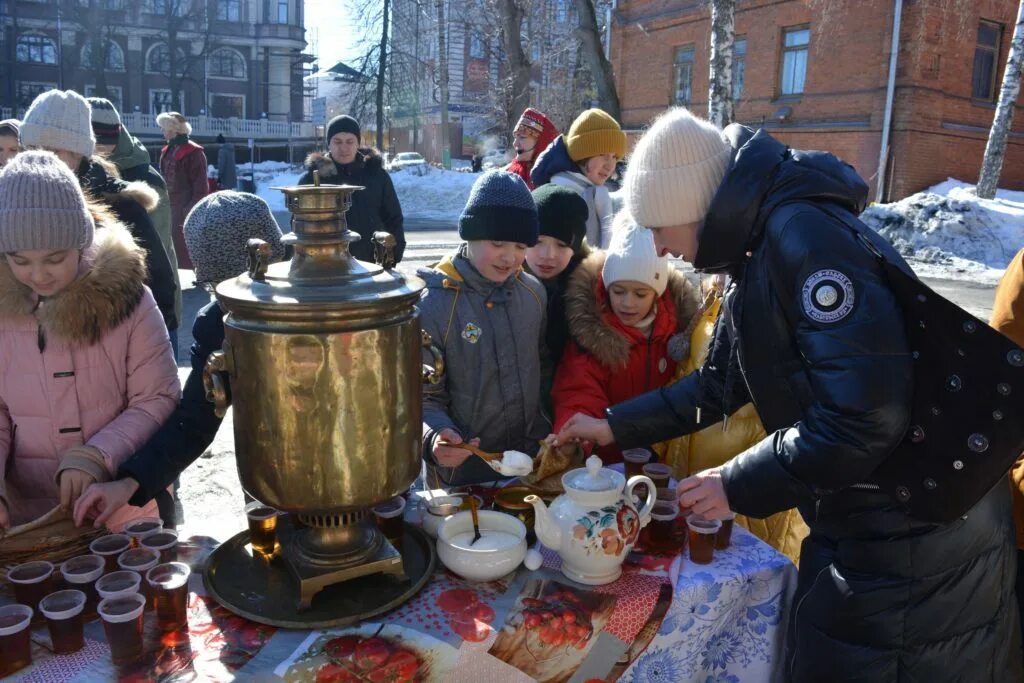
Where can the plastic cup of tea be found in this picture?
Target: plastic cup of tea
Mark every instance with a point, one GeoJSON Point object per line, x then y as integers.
{"type": "Point", "coordinates": [662, 525]}
{"type": "Point", "coordinates": [15, 646]}
{"type": "Point", "coordinates": [32, 582]}
{"type": "Point", "coordinates": [164, 542]}
{"type": "Point", "coordinates": [634, 459]}
{"type": "Point", "coordinates": [140, 561]}
{"type": "Point", "coordinates": [666, 494]}
{"type": "Point", "coordinates": [169, 583]}
{"type": "Point", "coordinates": [389, 516]}
{"type": "Point", "coordinates": [109, 547]}
{"type": "Point", "coordinates": [122, 623]}
{"type": "Point", "coordinates": [116, 584]}
{"type": "Point", "coordinates": [63, 612]}
{"type": "Point", "coordinates": [659, 473]}
{"type": "Point", "coordinates": [81, 573]}
{"type": "Point", "coordinates": [724, 536]}
{"type": "Point", "coordinates": [262, 527]}
{"type": "Point", "coordinates": [139, 528]}
{"type": "Point", "coordinates": [702, 538]}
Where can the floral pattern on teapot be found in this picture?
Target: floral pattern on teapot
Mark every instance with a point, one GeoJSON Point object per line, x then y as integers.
{"type": "Point", "coordinates": [610, 529]}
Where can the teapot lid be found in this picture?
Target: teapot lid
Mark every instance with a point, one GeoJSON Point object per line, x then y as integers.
{"type": "Point", "coordinates": [594, 477]}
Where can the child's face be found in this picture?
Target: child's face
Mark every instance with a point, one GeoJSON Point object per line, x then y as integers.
{"type": "Point", "coordinates": [598, 169]}
{"type": "Point", "coordinates": [45, 271]}
{"type": "Point", "coordinates": [496, 261]}
{"type": "Point", "coordinates": [630, 301]}
{"type": "Point", "coordinates": [9, 148]}
{"type": "Point", "coordinates": [549, 257]}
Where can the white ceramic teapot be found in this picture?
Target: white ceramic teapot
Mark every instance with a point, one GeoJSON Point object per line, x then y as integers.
{"type": "Point", "coordinates": [594, 524]}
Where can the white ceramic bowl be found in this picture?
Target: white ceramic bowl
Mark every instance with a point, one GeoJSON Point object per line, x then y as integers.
{"type": "Point", "coordinates": [437, 510]}
{"type": "Point", "coordinates": [481, 565]}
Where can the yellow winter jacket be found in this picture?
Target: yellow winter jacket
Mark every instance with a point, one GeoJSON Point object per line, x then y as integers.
{"type": "Point", "coordinates": [713, 446]}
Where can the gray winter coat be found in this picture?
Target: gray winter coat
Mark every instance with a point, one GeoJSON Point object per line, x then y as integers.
{"type": "Point", "coordinates": [492, 339]}
{"type": "Point", "coordinates": [226, 174]}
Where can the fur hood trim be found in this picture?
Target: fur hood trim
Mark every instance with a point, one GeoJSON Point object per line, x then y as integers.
{"type": "Point", "coordinates": [586, 309]}
{"type": "Point", "coordinates": [104, 295]}
{"type": "Point", "coordinates": [322, 161]}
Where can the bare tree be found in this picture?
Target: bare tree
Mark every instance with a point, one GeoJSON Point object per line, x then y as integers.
{"type": "Point", "coordinates": [600, 68]}
{"type": "Point", "coordinates": [723, 39]}
{"type": "Point", "coordinates": [442, 60]}
{"type": "Point", "coordinates": [186, 33]}
{"type": "Point", "coordinates": [94, 22]}
{"type": "Point", "coordinates": [517, 63]}
{"type": "Point", "coordinates": [995, 150]}
{"type": "Point", "coordinates": [382, 72]}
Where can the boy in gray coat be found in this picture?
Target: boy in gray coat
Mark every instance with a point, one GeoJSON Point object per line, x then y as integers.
{"type": "Point", "coordinates": [487, 316]}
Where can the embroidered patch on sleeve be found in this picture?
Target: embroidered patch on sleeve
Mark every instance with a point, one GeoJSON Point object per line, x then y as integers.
{"type": "Point", "coordinates": [827, 296]}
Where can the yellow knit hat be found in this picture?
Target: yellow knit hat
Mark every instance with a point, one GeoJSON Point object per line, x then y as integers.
{"type": "Point", "coordinates": [595, 132]}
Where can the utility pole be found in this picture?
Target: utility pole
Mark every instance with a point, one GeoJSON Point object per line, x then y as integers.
{"type": "Point", "coordinates": [416, 81]}
{"type": "Point", "coordinates": [442, 57]}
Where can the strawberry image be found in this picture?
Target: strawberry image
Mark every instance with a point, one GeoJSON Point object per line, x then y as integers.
{"type": "Point", "coordinates": [341, 648]}
{"type": "Point", "coordinates": [371, 653]}
{"type": "Point", "coordinates": [332, 672]}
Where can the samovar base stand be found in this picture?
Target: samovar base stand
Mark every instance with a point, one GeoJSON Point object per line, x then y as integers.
{"type": "Point", "coordinates": [312, 579]}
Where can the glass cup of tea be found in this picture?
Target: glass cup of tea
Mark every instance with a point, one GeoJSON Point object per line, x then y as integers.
{"type": "Point", "coordinates": [122, 623]}
{"type": "Point", "coordinates": [81, 573]}
{"type": "Point", "coordinates": [659, 473]}
{"type": "Point", "coordinates": [262, 527]}
{"type": "Point", "coordinates": [634, 459]}
{"type": "Point", "coordinates": [137, 529]}
{"type": "Point", "coordinates": [164, 542]}
{"type": "Point", "coordinates": [724, 536]}
{"type": "Point", "coordinates": [15, 646]}
{"type": "Point", "coordinates": [109, 547]}
{"type": "Point", "coordinates": [702, 533]}
{"type": "Point", "coordinates": [389, 516]}
{"type": "Point", "coordinates": [63, 612]}
{"type": "Point", "coordinates": [116, 584]}
{"type": "Point", "coordinates": [32, 581]}
{"type": "Point", "coordinates": [661, 530]}
{"type": "Point", "coordinates": [140, 561]}
{"type": "Point", "coordinates": [169, 583]}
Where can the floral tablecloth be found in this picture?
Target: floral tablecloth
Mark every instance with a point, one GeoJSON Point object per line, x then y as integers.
{"type": "Point", "coordinates": [666, 619]}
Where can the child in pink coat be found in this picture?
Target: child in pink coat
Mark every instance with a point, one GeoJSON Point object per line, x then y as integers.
{"type": "Point", "coordinates": [86, 370]}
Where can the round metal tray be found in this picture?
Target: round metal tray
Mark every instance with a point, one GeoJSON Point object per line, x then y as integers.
{"type": "Point", "coordinates": [266, 592]}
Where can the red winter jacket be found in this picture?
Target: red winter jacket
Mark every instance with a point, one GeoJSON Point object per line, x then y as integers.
{"type": "Point", "coordinates": [609, 361]}
{"type": "Point", "coordinates": [523, 168]}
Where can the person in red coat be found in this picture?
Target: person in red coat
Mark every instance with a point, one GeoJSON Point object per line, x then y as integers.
{"type": "Point", "coordinates": [629, 317]}
{"type": "Point", "coordinates": [183, 166]}
{"type": "Point", "coordinates": [532, 134]}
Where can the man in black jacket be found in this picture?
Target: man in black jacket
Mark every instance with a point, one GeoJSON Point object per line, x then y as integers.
{"type": "Point", "coordinates": [811, 333]}
{"type": "Point", "coordinates": [375, 207]}
{"type": "Point", "coordinates": [216, 231]}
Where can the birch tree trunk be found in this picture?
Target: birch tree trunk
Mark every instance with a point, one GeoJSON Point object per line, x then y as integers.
{"type": "Point", "coordinates": [723, 40]}
{"type": "Point", "coordinates": [995, 150]}
{"type": "Point", "coordinates": [516, 60]}
{"type": "Point", "coordinates": [442, 82]}
{"type": "Point", "coordinates": [600, 67]}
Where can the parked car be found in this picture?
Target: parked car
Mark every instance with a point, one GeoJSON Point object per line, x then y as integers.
{"type": "Point", "coordinates": [407, 159]}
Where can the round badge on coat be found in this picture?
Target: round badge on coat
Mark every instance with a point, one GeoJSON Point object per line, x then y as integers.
{"type": "Point", "coordinates": [827, 296]}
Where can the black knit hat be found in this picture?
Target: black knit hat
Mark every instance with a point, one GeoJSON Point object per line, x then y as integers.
{"type": "Point", "coordinates": [563, 214]}
{"type": "Point", "coordinates": [343, 123]}
{"type": "Point", "coordinates": [500, 209]}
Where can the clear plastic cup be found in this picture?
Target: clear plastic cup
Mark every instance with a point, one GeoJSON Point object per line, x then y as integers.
{"type": "Point", "coordinates": [659, 473]}
{"type": "Point", "coordinates": [137, 529]}
{"type": "Point", "coordinates": [32, 581]}
{"type": "Point", "coordinates": [660, 530]}
{"type": "Point", "coordinates": [109, 547]}
{"type": "Point", "coordinates": [81, 574]}
{"type": "Point", "coordinates": [262, 527]}
{"type": "Point", "coordinates": [116, 584]}
{"type": "Point", "coordinates": [164, 542]}
{"type": "Point", "coordinates": [634, 459]}
{"type": "Point", "coordinates": [15, 646]}
{"type": "Point", "coordinates": [389, 516]}
{"type": "Point", "coordinates": [63, 612]}
{"type": "Point", "coordinates": [702, 533]}
{"type": "Point", "coordinates": [724, 536]}
{"type": "Point", "coordinates": [140, 561]}
{"type": "Point", "coordinates": [169, 583]}
{"type": "Point", "coordinates": [122, 622]}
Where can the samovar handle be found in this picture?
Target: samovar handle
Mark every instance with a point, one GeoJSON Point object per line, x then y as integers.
{"type": "Point", "coordinates": [384, 244]}
{"type": "Point", "coordinates": [259, 258]}
{"type": "Point", "coordinates": [432, 373]}
{"type": "Point", "coordinates": [213, 381]}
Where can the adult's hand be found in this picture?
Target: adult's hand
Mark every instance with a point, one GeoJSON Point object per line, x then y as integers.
{"type": "Point", "coordinates": [582, 427]}
{"type": "Point", "coordinates": [5, 519]}
{"type": "Point", "coordinates": [72, 484]}
{"type": "Point", "coordinates": [100, 501]}
{"type": "Point", "coordinates": [704, 494]}
{"type": "Point", "coordinates": [451, 456]}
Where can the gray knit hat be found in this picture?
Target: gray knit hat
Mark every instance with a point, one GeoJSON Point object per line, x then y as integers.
{"type": "Point", "coordinates": [59, 119]}
{"type": "Point", "coordinates": [220, 226]}
{"type": "Point", "coordinates": [42, 205]}
{"type": "Point", "coordinates": [500, 208]}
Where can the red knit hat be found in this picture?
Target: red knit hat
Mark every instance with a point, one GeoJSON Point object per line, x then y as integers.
{"type": "Point", "coordinates": [533, 120]}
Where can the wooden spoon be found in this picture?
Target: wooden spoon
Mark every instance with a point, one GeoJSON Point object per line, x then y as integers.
{"type": "Point", "coordinates": [486, 455]}
{"type": "Point", "coordinates": [476, 520]}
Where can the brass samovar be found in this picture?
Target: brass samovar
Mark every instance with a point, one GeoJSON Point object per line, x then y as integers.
{"type": "Point", "coordinates": [323, 353]}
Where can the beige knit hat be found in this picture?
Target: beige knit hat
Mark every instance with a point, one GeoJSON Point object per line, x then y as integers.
{"type": "Point", "coordinates": [59, 119]}
{"type": "Point", "coordinates": [675, 170]}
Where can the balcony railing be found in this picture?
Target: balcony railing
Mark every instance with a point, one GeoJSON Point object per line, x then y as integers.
{"type": "Point", "coordinates": [259, 129]}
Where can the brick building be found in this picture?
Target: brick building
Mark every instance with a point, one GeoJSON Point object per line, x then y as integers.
{"type": "Point", "coordinates": [815, 74]}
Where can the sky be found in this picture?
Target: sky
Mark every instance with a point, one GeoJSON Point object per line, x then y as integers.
{"type": "Point", "coordinates": [328, 25]}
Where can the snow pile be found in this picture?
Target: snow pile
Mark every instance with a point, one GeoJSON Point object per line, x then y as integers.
{"type": "Point", "coordinates": [270, 174]}
{"type": "Point", "coordinates": [437, 195]}
{"type": "Point", "coordinates": [947, 231]}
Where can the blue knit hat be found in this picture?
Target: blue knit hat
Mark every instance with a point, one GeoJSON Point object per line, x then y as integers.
{"type": "Point", "coordinates": [500, 208]}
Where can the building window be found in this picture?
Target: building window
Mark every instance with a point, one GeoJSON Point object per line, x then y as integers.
{"type": "Point", "coordinates": [476, 46]}
{"type": "Point", "coordinates": [282, 11]}
{"type": "Point", "coordinates": [114, 60]}
{"type": "Point", "coordinates": [683, 68]}
{"type": "Point", "coordinates": [227, 106]}
{"type": "Point", "coordinates": [104, 4]}
{"type": "Point", "coordinates": [739, 68]}
{"type": "Point", "coordinates": [227, 63]}
{"type": "Point", "coordinates": [535, 51]}
{"type": "Point", "coordinates": [28, 91]}
{"type": "Point", "coordinates": [176, 7]}
{"type": "Point", "coordinates": [794, 59]}
{"type": "Point", "coordinates": [158, 60]}
{"type": "Point", "coordinates": [160, 101]}
{"type": "Point", "coordinates": [114, 94]}
{"type": "Point", "coordinates": [561, 11]}
{"type": "Point", "coordinates": [36, 49]}
{"type": "Point", "coordinates": [986, 59]}
{"type": "Point", "coordinates": [229, 10]}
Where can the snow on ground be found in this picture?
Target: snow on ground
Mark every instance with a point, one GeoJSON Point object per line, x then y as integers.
{"type": "Point", "coordinates": [947, 232]}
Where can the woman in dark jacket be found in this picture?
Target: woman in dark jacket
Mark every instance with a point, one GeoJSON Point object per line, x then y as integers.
{"type": "Point", "coordinates": [375, 207]}
{"type": "Point", "coordinates": [811, 332]}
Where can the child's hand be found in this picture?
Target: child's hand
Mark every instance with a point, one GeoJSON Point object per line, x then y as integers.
{"type": "Point", "coordinates": [5, 520]}
{"type": "Point", "coordinates": [582, 427]}
{"type": "Point", "coordinates": [100, 501]}
{"type": "Point", "coordinates": [447, 456]}
{"type": "Point", "coordinates": [72, 484]}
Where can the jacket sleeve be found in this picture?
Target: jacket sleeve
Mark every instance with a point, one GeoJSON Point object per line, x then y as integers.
{"type": "Point", "coordinates": [190, 429]}
{"type": "Point", "coordinates": [161, 280]}
{"type": "Point", "coordinates": [436, 400]}
{"type": "Point", "coordinates": [580, 386]}
{"type": "Point", "coordinates": [859, 372]}
{"type": "Point", "coordinates": [391, 214]}
{"type": "Point", "coordinates": [6, 445]}
{"type": "Point", "coordinates": [152, 388]}
{"type": "Point", "coordinates": [1008, 308]}
{"type": "Point", "coordinates": [197, 175]}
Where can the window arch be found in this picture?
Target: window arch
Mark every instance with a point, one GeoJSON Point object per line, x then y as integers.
{"type": "Point", "coordinates": [226, 62]}
{"type": "Point", "coordinates": [158, 59]}
{"type": "Point", "coordinates": [35, 48]}
{"type": "Point", "coordinates": [115, 56]}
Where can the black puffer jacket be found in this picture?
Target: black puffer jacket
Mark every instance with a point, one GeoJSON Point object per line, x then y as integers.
{"type": "Point", "coordinates": [374, 208]}
{"type": "Point", "coordinates": [812, 334]}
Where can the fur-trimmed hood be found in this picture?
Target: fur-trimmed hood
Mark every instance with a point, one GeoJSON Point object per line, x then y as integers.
{"type": "Point", "coordinates": [592, 324]}
{"type": "Point", "coordinates": [107, 290]}
{"type": "Point", "coordinates": [367, 157]}
{"type": "Point", "coordinates": [101, 181]}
